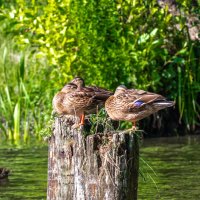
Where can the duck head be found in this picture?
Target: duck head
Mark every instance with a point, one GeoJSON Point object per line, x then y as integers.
{"type": "Point", "coordinates": [70, 87]}
{"type": "Point", "coordinates": [120, 89]}
{"type": "Point", "coordinates": [79, 82]}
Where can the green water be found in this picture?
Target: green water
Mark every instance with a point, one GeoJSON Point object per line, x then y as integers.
{"type": "Point", "coordinates": [28, 165]}
{"type": "Point", "coordinates": [175, 161]}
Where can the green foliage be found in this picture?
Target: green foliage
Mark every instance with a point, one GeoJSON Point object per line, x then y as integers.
{"type": "Point", "coordinates": [107, 42]}
{"type": "Point", "coordinates": [22, 98]}
{"type": "Point", "coordinates": [46, 131]}
{"type": "Point", "coordinates": [100, 123]}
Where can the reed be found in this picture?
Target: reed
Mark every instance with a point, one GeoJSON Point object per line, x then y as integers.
{"type": "Point", "coordinates": [20, 103]}
{"type": "Point", "coordinates": [137, 44]}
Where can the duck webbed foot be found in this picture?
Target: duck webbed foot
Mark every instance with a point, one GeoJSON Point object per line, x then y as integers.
{"type": "Point", "coordinates": [81, 124]}
{"type": "Point", "coordinates": [134, 127]}
{"type": "Point", "coordinates": [77, 126]}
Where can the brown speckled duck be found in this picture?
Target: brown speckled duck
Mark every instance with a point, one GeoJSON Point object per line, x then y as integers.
{"type": "Point", "coordinates": [76, 99]}
{"type": "Point", "coordinates": [59, 98]}
{"type": "Point", "coordinates": [133, 105]}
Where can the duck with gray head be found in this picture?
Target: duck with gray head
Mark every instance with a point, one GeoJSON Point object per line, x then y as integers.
{"type": "Point", "coordinates": [133, 105]}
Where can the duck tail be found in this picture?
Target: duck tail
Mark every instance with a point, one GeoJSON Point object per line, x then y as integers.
{"type": "Point", "coordinates": [164, 103]}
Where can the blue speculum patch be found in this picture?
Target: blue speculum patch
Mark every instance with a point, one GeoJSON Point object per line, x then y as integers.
{"type": "Point", "coordinates": [138, 103]}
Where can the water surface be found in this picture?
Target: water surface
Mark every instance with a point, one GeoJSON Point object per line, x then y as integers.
{"type": "Point", "coordinates": [174, 169]}
{"type": "Point", "coordinates": [169, 168]}
{"type": "Point", "coordinates": [28, 165]}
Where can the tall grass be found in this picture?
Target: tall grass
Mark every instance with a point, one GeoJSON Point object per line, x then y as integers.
{"type": "Point", "coordinates": [22, 101]}
{"type": "Point", "coordinates": [137, 44]}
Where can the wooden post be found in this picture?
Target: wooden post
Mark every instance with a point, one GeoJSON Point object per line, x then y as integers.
{"type": "Point", "coordinates": [94, 167]}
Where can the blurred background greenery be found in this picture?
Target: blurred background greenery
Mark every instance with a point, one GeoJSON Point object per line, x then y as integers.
{"type": "Point", "coordinates": [151, 45]}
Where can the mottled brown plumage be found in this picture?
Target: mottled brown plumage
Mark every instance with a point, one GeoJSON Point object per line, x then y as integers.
{"type": "Point", "coordinates": [133, 105]}
{"type": "Point", "coordinates": [60, 99]}
{"type": "Point", "coordinates": [76, 99]}
{"type": "Point", "coordinates": [97, 95]}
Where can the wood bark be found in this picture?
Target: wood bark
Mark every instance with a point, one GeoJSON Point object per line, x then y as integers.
{"type": "Point", "coordinates": [94, 167]}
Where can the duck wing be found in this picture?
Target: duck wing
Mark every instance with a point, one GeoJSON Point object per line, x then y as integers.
{"type": "Point", "coordinates": [80, 99]}
{"type": "Point", "coordinates": [138, 99]}
{"type": "Point", "coordinates": [100, 94]}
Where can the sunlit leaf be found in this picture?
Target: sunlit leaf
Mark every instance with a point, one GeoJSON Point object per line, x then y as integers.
{"type": "Point", "coordinates": [16, 117]}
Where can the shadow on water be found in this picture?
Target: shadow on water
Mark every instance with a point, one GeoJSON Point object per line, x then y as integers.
{"type": "Point", "coordinates": [175, 161]}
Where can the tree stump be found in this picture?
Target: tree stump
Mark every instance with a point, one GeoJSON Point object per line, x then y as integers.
{"type": "Point", "coordinates": [94, 167]}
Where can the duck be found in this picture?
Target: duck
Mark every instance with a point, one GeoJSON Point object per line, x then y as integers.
{"type": "Point", "coordinates": [133, 105]}
{"type": "Point", "coordinates": [100, 94]}
{"type": "Point", "coordinates": [78, 100]}
{"type": "Point", "coordinates": [4, 173]}
{"type": "Point", "coordinates": [59, 99]}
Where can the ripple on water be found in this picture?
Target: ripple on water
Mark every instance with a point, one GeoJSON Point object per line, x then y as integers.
{"type": "Point", "coordinates": [28, 179]}
{"type": "Point", "coordinates": [176, 164]}
{"type": "Point", "coordinates": [170, 167]}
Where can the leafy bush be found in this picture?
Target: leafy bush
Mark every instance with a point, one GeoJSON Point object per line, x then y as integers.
{"type": "Point", "coordinates": [107, 42]}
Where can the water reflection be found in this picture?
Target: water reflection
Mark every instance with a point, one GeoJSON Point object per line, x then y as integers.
{"type": "Point", "coordinates": [169, 166]}
{"type": "Point", "coordinates": [176, 164]}
{"type": "Point", "coordinates": [28, 167]}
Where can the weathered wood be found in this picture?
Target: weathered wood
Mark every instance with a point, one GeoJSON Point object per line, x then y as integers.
{"type": "Point", "coordinates": [96, 167]}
